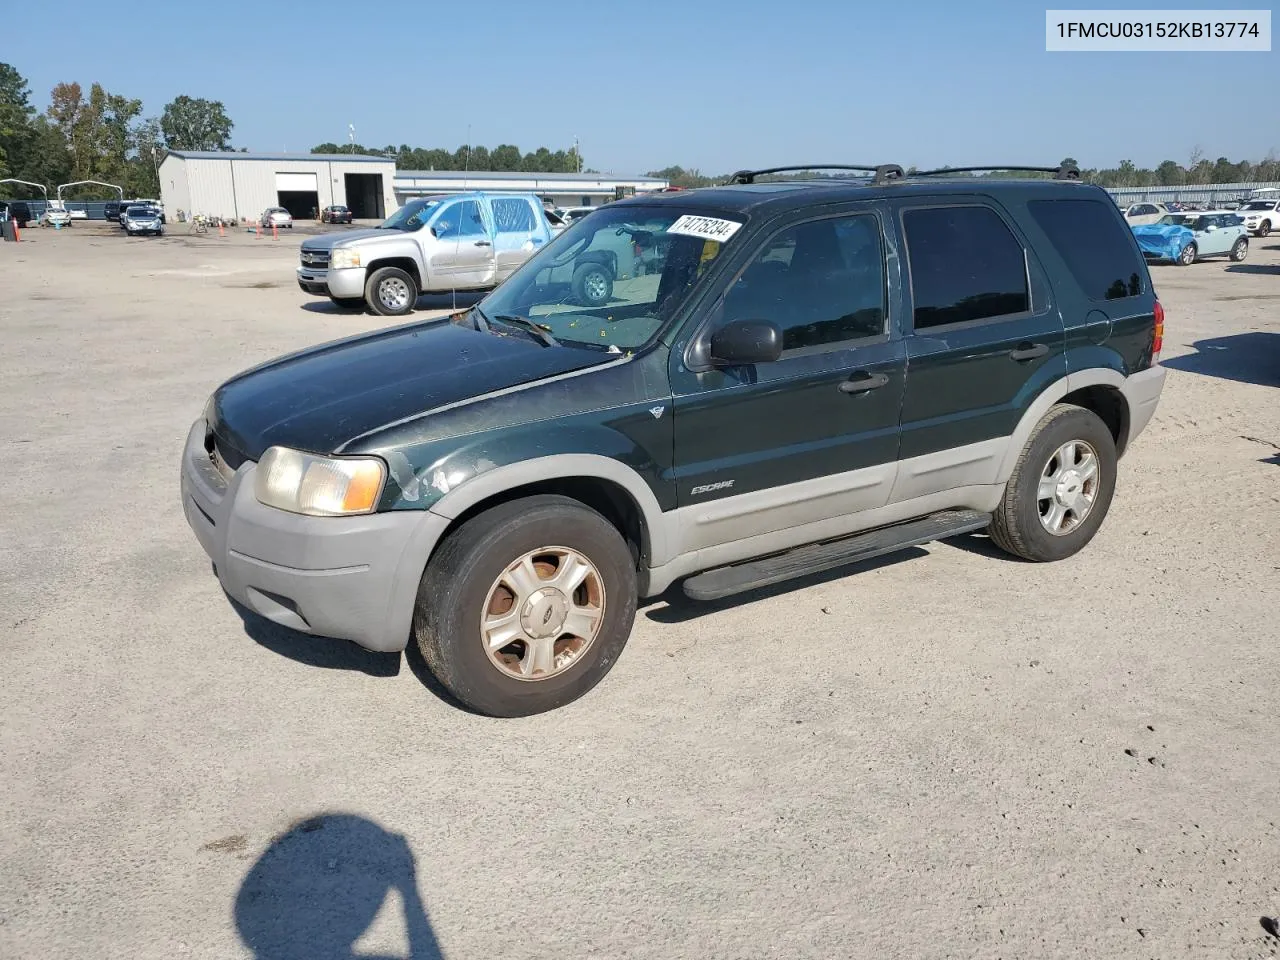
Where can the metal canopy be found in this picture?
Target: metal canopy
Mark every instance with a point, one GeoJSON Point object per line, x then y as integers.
{"type": "Point", "coordinates": [96, 183]}
{"type": "Point", "coordinates": [27, 183]}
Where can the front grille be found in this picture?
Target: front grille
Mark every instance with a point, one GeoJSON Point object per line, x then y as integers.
{"type": "Point", "coordinates": [314, 258]}
{"type": "Point", "coordinates": [224, 456]}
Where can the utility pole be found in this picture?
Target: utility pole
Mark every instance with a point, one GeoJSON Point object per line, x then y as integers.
{"type": "Point", "coordinates": [577, 156]}
{"type": "Point", "coordinates": [351, 135]}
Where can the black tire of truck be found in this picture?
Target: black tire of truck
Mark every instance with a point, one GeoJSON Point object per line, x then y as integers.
{"type": "Point", "coordinates": [505, 562]}
{"type": "Point", "coordinates": [391, 292]}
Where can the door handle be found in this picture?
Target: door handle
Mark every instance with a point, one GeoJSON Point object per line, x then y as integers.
{"type": "Point", "coordinates": [864, 383]}
{"type": "Point", "coordinates": [483, 243]}
{"type": "Point", "coordinates": [1029, 351]}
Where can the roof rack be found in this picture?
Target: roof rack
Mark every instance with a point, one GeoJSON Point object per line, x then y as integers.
{"type": "Point", "coordinates": [1061, 172]}
{"type": "Point", "coordinates": [882, 173]}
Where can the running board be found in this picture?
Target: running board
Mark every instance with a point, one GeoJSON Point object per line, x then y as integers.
{"type": "Point", "coordinates": [726, 581]}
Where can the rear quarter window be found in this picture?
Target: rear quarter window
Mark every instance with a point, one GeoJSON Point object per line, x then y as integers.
{"type": "Point", "coordinates": [1097, 249]}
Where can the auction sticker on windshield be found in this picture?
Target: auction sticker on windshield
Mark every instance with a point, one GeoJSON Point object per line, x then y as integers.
{"type": "Point", "coordinates": [706, 228]}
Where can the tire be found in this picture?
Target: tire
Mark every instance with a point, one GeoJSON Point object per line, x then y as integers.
{"type": "Point", "coordinates": [391, 292]}
{"type": "Point", "coordinates": [1240, 249]}
{"type": "Point", "coordinates": [592, 285]}
{"type": "Point", "coordinates": [1017, 525]}
{"type": "Point", "coordinates": [1187, 256]}
{"type": "Point", "coordinates": [1264, 228]}
{"type": "Point", "coordinates": [466, 578]}
{"type": "Point", "coordinates": [348, 303]}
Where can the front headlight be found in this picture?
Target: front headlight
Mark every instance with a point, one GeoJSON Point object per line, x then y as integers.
{"type": "Point", "coordinates": [344, 257]}
{"type": "Point", "coordinates": [318, 486]}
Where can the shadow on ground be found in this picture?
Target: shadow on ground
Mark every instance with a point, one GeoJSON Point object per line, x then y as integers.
{"type": "Point", "coordinates": [334, 654]}
{"type": "Point", "coordinates": [1272, 269]}
{"type": "Point", "coordinates": [428, 301]}
{"type": "Point", "coordinates": [680, 609]}
{"type": "Point", "coordinates": [315, 651]}
{"type": "Point", "coordinates": [1244, 357]}
{"type": "Point", "coordinates": [317, 889]}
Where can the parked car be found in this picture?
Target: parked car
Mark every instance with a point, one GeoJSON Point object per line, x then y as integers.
{"type": "Point", "coordinates": [470, 241]}
{"type": "Point", "coordinates": [335, 214]}
{"type": "Point", "coordinates": [571, 214]}
{"type": "Point", "coordinates": [277, 217]}
{"type": "Point", "coordinates": [1142, 213]}
{"type": "Point", "coordinates": [1184, 238]}
{"type": "Point", "coordinates": [139, 220]}
{"type": "Point", "coordinates": [56, 215]}
{"type": "Point", "coordinates": [1261, 215]}
{"type": "Point", "coordinates": [501, 486]}
{"type": "Point", "coordinates": [19, 211]}
{"type": "Point", "coordinates": [557, 222]}
{"type": "Point", "coordinates": [79, 213]}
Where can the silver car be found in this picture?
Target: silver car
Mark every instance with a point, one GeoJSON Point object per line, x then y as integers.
{"type": "Point", "coordinates": [139, 221]}
{"type": "Point", "coordinates": [277, 217]}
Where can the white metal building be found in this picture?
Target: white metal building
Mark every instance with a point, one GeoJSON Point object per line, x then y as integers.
{"type": "Point", "coordinates": [564, 189]}
{"type": "Point", "coordinates": [243, 185]}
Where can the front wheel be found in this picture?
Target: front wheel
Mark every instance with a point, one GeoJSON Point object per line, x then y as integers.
{"type": "Point", "coordinates": [391, 292]}
{"type": "Point", "coordinates": [1264, 228]}
{"type": "Point", "coordinates": [1239, 249]}
{"type": "Point", "coordinates": [1060, 489]}
{"type": "Point", "coordinates": [1188, 255]}
{"type": "Point", "coordinates": [592, 285]}
{"type": "Point", "coordinates": [527, 606]}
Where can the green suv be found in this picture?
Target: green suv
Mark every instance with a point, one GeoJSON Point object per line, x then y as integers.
{"type": "Point", "coordinates": [786, 377]}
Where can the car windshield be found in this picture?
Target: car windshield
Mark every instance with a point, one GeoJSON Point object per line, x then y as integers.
{"type": "Point", "coordinates": [1174, 218]}
{"type": "Point", "coordinates": [1259, 204]}
{"type": "Point", "coordinates": [612, 280]}
{"type": "Point", "coordinates": [139, 212]}
{"type": "Point", "coordinates": [411, 216]}
{"type": "Point", "coordinates": [337, 209]}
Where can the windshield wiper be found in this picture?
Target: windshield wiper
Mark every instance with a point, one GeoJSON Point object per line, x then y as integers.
{"type": "Point", "coordinates": [479, 319]}
{"type": "Point", "coordinates": [524, 323]}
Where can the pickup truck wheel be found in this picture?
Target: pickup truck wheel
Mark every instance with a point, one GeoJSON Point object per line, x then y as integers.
{"type": "Point", "coordinates": [592, 285]}
{"type": "Point", "coordinates": [391, 292]}
{"type": "Point", "coordinates": [527, 606]}
{"type": "Point", "coordinates": [1240, 249]}
{"type": "Point", "coordinates": [1188, 255]}
{"type": "Point", "coordinates": [1060, 489]}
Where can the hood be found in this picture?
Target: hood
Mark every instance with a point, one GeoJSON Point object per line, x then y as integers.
{"type": "Point", "coordinates": [322, 398]}
{"type": "Point", "coordinates": [328, 241]}
{"type": "Point", "coordinates": [1164, 231]}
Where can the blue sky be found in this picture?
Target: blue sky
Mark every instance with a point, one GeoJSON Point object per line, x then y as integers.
{"type": "Point", "coordinates": [702, 83]}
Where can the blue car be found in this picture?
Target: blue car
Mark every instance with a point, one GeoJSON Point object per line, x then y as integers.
{"type": "Point", "coordinates": [1184, 238]}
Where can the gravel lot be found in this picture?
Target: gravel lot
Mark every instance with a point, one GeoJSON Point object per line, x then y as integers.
{"type": "Point", "coordinates": [948, 754]}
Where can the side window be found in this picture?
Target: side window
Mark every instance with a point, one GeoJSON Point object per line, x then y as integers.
{"type": "Point", "coordinates": [513, 215]}
{"type": "Point", "coordinates": [1096, 249]}
{"type": "Point", "coordinates": [821, 283]}
{"type": "Point", "coordinates": [965, 265]}
{"type": "Point", "coordinates": [462, 219]}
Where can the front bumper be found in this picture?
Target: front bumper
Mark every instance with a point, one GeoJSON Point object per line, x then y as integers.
{"type": "Point", "coordinates": [1142, 392]}
{"type": "Point", "coordinates": [347, 283]}
{"type": "Point", "coordinates": [355, 578]}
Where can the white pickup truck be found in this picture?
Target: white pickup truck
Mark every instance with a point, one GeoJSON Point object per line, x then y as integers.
{"type": "Point", "coordinates": [468, 241]}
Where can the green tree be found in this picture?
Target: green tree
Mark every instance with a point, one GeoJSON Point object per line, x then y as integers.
{"type": "Point", "coordinates": [196, 124]}
{"type": "Point", "coordinates": [1169, 174]}
{"type": "Point", "coordinates": [16, 116]}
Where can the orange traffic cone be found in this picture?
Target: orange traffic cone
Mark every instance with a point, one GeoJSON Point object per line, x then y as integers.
{"type": "Point", "coordinates": [274, 233]}
{"type": "Point", "coordinates": [221, 233]}
{"type": "Point", "coordinates": [17, 234]}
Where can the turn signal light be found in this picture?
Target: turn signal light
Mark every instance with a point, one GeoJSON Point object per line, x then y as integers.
{"type": "Point", "coordinates": [1157, 340]}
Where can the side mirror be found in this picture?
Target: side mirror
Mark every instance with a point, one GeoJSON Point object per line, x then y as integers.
{"type": "Point", "coordinates": [744, 342]}
{"type": "Point", "coordinates": [433, 231]}
{"type": "Point", "coordinates": [1210, 228]}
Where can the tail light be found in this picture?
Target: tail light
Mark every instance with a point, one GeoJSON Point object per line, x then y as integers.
{"type": "Point", "coordinates": [1157, 339]}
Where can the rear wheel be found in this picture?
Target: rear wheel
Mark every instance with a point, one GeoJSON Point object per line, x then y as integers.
{"type": "Point", "coordinates": [1060, 489]}
{"type": "Point", "coordinates": [391, 292]}
{"type": "Point", "coordinates": [1188, 255]}
{"type": "Point", "coordinates": [592, 285]}
{"type": "Point", "coordinates": [527, 606]}
{"type": "Point", "coordinates": [1240, 249]}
